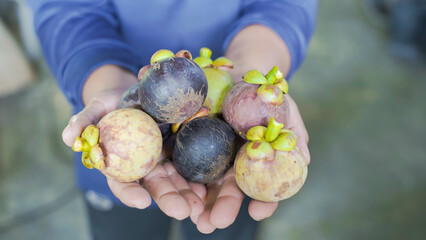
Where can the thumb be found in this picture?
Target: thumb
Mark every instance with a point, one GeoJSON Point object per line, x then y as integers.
{"type": "Point", "coordinates": [91, 114]}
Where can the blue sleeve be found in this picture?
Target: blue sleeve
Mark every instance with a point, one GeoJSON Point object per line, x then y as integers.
{"type": "Point", "coordinates": [78, 36]}
{"type": "Point", "coordinates": [293, 20]}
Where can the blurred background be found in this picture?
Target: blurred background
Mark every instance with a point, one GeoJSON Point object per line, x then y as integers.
{"type": "Point", "coordinates": [361, 92]}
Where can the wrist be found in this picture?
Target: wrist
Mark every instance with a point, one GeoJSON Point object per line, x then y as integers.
{"type": "Point", "coordinates": [107, 77]}
{"type": "Point", "coordinates": [257, 47]}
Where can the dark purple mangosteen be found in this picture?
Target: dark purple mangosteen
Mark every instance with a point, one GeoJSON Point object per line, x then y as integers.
{"type": "Point", "coordinates": [173, 88]}
{"type": "Point", "coordinates": [205, 149]}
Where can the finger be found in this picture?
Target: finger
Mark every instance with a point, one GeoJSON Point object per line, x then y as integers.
{"type": "Point", "coordinates": [228, 202]}
{"type": "Point", "coordinates": [183, 188]}
{"type": "Point", "coordinates": [204, 224]}
{"type": "Point", "coordinates": [199, 189]}
{"type": "Point", "coordinates": [91, 114]}
{"type": "Point", "coordinates": [297, 125]}
{"type": "Point", "coordinates": [165, 194]}
{"type": "Point", "coordinates": [95, 109]}
{"type": "Point", "coordinates": [130, 194]}
{"type": "Point", "coordinates": [260, 210]}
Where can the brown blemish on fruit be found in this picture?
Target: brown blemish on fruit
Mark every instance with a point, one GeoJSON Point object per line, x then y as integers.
{"type": "Point", "coordinates": [283, 188]}
{"type": "Point", "coordinates": [296, 181]}
{"type": "Point", "coordinates": [256, 145]}
{"type": "Point", "coordinates": [174, 112]}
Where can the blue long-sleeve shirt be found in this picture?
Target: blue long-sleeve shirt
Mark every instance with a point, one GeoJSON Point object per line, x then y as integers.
{"type": "Point", "coordinates": [79, 36]}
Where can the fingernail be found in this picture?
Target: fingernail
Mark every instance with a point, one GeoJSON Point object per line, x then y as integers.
{"type": "Point", "coordinates": [140, 205]}
{"type": "Point", "coordinates": [65, 136]}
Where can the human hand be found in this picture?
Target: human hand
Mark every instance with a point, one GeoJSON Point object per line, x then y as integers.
{"type": "Point", "coordinates": [224, 198]}
{"type": "Point", "coordinates": [174, 195]}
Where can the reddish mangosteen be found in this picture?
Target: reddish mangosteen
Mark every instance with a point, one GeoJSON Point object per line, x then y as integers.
{"type": "Point", "coordinates": [125, 145]}
{"type": "Point", "coordinates": [257, 99]}
{"type": "Point", "coordinates": [204, 150]}
{"type": "Point", "coordinates": [172, 88]}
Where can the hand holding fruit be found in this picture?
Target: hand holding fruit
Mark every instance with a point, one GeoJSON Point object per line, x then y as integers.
{"type": "Point", "coordinates": [224, 197]}
{"type": "Point", "coordinates": [126, 144]}
{"type": "Point", "coordinates": [174, 195]}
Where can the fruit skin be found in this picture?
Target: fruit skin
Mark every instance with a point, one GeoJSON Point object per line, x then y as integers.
{"type": "Point", "coordinates": [131, 142]}
{"type": "Point", "coordinates": [172, 90]}
{"type": "Point", "coordinates": [219, 83]}
{"type": "Point", "coordinates": [130, 98]}
{"type": "Point", "coordinates": [165, 129]}
{"type": "Point", "coordinates": [243, 109]}
{"type": "Point", "coordinates": [270, 180]}
{"type": "Point", "coordinates": [204, 150]}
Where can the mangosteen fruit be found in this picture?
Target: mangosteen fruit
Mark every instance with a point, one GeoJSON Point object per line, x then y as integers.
{"type": "Point", "coordinates": [204, 149]}
{"type": "Point", "coordinates": [257, 99]}
{"type": "Point", "coordinates": [125, 145]}
{"type": "Point", "coordinates": [173, 87]}
{"type": "Point", "coordinates": [219, 80]}
{"type": "Point", "coordinates": [270, 167]}
{"type": "Point", "coordinates": [130, 98]}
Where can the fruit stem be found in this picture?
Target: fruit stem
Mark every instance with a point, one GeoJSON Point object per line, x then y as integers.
{"type": "Point", "coordinates": [273, 130]}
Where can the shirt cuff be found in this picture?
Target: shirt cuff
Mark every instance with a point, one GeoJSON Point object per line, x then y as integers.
{"type": "Point", "coordinates": [75, 70]}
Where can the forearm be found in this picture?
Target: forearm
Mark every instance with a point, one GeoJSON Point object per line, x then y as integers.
{"type": "Point", "coordinates": [257, 47]}
{"type": "Point", "coordinates": [107, 77]}
{"type": "Point", "coordinates": [78, 38]}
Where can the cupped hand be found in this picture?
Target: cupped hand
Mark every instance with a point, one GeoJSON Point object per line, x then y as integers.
{"type": "Point", "coordinates": [173, 194]}
{"type": "Point", "coordinates": [224, 198]}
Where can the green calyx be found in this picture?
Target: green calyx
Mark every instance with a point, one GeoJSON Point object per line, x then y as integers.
{"type": "Point", "coordinates": [260, 150]}
{"type": "Point", "coordinates": [254, 77]}
{"type": "Point", "coordinates": [184, 54]}
{"type": "Point", "coordinates": [256, 133]}
{"type": "Point", "coordinates": [205, 52]}
{"type": "Point", "coordinates": [88, 143]}
{"type": "Point", "coordinates": [161, 55]}
{"type": "Point", "coordinates": [267, 139]}
{"type": "Point", "coordinates": [204, 60]}
{"type": "Point", "coordinates": [285, 142]}
{"type": "Point", "coordinates": [270, 94]}
{"type": "Point", "coordinates": [273, 79]}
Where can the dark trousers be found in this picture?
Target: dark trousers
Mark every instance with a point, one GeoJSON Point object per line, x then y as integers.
{"type": "Point", "coordinates": [122, 222]}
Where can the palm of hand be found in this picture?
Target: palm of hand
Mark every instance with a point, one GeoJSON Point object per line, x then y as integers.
{"type": "Point", "coordinates": [211, 206]}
